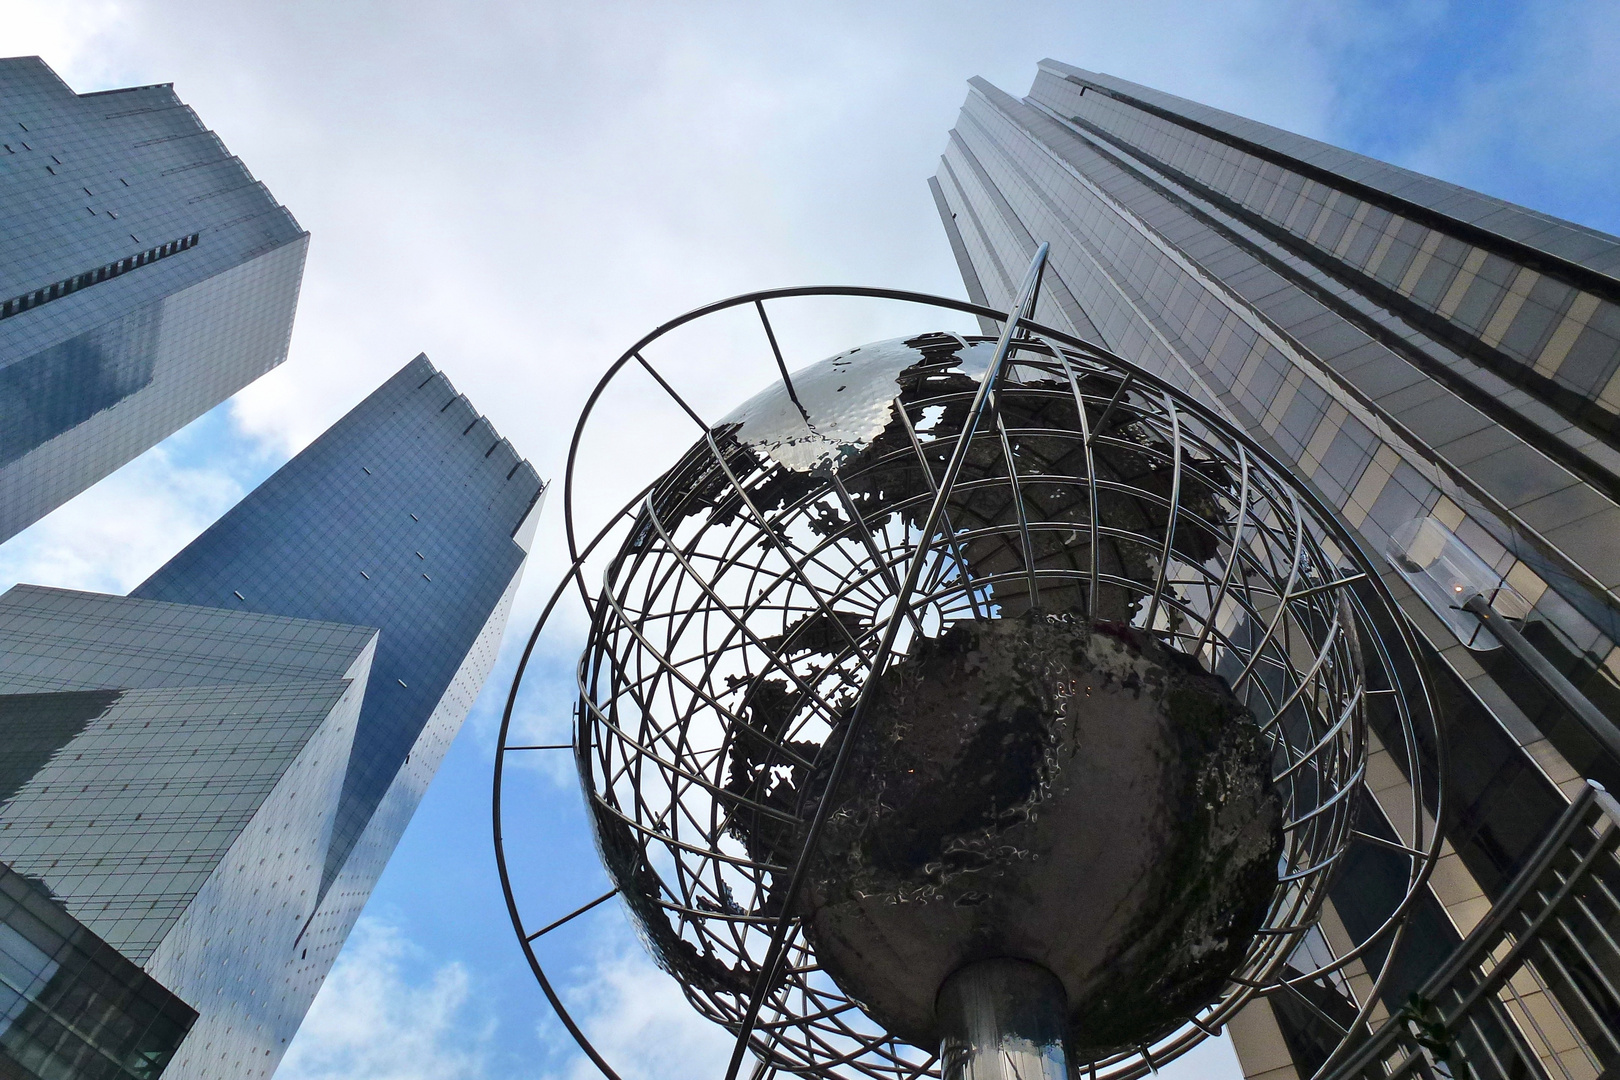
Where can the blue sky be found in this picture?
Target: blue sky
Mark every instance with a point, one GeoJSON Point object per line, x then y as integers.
{"type": "Point", "coordinates": [522, 190]}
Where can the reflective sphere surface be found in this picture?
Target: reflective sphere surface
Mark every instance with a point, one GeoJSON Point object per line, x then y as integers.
{"type": "Point", "coordinates": [1037, 789]}
{"type": "Point", "coordinates": [1100, 540]}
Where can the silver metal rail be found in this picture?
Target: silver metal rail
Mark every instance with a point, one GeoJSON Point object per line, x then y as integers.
{"type": "Point", "coordinates": [1599, 726]}
{"type": "Point", "coordinates": [1534, 990]}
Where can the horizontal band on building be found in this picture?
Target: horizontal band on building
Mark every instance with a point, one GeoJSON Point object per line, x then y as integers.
{"type": "Point", "coordinates": [56, 290]}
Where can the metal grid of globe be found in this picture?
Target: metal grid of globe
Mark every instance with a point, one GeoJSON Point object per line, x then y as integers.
{"type": "Point", "coordinates": [838, 544]}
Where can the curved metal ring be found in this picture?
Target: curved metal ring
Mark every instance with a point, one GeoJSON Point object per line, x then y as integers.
{"type": "Point", "coordinates": [1340, 534]}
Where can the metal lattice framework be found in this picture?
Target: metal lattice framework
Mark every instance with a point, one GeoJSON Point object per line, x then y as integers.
{"type": "Point", "coordinates": [1087, 486]}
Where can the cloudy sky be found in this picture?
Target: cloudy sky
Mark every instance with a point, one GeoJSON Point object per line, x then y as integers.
{"type": "Point", "coordinates": [522, 189]}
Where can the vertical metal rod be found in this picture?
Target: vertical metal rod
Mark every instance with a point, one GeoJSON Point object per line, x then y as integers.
{"type": "Point", "coordinates": [1600, 727]}
{"type": "Point", "coordinates": [781, 364]}
{"type": "Point", "coordinates": [1175, 508]}
{"type": "Point", "coordinates": [1124, 385]}
{"type": "Point", "coordinates": [1535, 1027]}
{"type": "Point", "coordinates": [1283, 598]}
{"type": "Point", "coordinates": [1497, 1066]}
{"type": "Point", "coordinates": [872, 551]}
{"type": "Point", "coordinates": [1563, 1003]}
{"type": "Point", "coordinates": [1002, 1020]}
{"type": "Point", "coordinates": [945, 515]}
{"type": "Point", "coordinates": [1515, 1037]}
{"type": "Point", "coordinates": [1028, 542]}
{"type": "Point", "coordinates": [1232, 560]}
{"type": "Point", "coordinates": [1091, 484]}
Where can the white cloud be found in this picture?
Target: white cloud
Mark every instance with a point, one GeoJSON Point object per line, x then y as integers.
{"type": "Point", "coordinates": [521, 190]}
{"type": "Point", "coordinates": [642, 1025]}
{"type": "Point", "coordinates": [375, 1020]}
{"type": "Point", "coordinates": [112, 536]}
{"type": "Point", "coordinates": [640, 1022]}
{"type": "Point", "coordinates": [75, 38]}
{"type": "Point", "coordinates": [1542, 125]}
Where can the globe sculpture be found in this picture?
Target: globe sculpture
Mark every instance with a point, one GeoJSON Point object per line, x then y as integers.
{"type": "Point", "coordinates": [984, 706]}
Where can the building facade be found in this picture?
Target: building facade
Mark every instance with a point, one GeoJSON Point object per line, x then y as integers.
{"type": "Point", "coordinates": [146, 277]}
{"type": "Point", "coordinates": [170, 778]}
{"type": "Point", "coordinates": [207, 777]}
{"type": "Point", "coordinates": [410, 515]}
{"type": "Point", "coordinates": [1441, 366]}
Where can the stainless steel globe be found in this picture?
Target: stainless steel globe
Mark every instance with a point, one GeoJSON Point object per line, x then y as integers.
{"type": "Point", "coordinates": [956, 650]}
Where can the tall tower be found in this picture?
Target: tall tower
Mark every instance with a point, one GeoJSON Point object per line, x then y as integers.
{"type": "Point", "coordinates": [170, 775]}
{"type": "Point", "coordinates": [210, 774]}
{"type": "Point", "coordinates": [145, 277]}
{"type": "Point", "coordinates": [410, 515]}
{"type": "Point", "coordinates": [1443, 367]}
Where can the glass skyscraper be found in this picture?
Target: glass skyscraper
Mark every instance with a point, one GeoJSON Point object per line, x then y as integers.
{"type": "Point", "coordinates": [411, 514]}
{"type": "Point", "coordinates": [145, 277]}
{"type": "Point", "coordinates": [205, 779]}
{"type": "Point", "coordinates": [1443, 367]}
{"type": "Point", "coordinates": [170, 774]}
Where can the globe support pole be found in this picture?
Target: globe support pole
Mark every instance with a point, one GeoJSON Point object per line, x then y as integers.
{"type": "Point", "coordinates": [1002, 1020]}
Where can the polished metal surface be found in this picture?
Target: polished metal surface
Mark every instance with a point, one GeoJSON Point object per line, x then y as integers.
{"type": "Point", "coordinates": [1004, 1020]}
{"type": "Point", "coordinates": [876, 499]}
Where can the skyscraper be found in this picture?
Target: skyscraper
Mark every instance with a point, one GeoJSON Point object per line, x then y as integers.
{"type": "Point", "coordinates": [218, 766]}
{"type": "Point", "coordinates": [411, 514]}
{"type": "Point", "coordinates": [146, 277]}
{"type": "Point", "coordinates": [170, 778]}
{"type": "Point", "coordinates": [1443, 367]}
